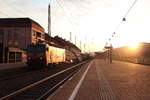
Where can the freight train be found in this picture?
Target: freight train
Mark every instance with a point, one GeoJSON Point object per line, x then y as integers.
{"type": "Point", "coordinates": [41, 54]}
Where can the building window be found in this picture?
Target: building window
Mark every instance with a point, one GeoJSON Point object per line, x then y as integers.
{"type": "Point", "coordinates": [43, 36]}
{"type": "Point", "coordinates": [1, 35]}
{"type": "Point", "coordinates": [33, 33]}
{"type": "Point", "coordinates": [38, 34]}
{"type": "Point", "coordinates": [11, 57]}
{"type": "Point", "coordinates": [10, 34]}
{"type": "Point", "coordinates": [18, 57]}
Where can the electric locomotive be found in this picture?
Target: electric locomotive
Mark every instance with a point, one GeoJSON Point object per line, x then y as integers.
{"type": "Point", "coordinates": [41, 54]}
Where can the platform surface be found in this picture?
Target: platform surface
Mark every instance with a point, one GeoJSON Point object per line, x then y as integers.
{"type": "Point", "coordinates": [99, 80]}
{"type": "Point", "coordinates": [6, 66]}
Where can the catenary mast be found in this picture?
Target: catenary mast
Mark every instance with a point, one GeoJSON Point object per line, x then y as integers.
{"type": "Point", "coordinates": [49, 20]}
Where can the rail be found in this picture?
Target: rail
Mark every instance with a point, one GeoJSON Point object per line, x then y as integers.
{"type": "Point", "coordinates": [37, 83]}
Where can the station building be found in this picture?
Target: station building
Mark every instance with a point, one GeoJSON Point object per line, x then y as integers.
{"type": "Point", "coordinates": [15, 35]}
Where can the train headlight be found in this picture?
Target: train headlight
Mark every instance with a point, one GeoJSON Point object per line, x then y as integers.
{"type": "Point", "coordinates": [41, 58]}
{"type": "Point", "coordinates": [29, 58]}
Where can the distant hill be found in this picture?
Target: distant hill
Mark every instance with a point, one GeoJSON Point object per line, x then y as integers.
{"type": "Point", "coordinates": [143, 50]}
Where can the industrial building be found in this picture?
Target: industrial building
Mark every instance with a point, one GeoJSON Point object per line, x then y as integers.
{"type": "Point", "coordinates": [15, 35]}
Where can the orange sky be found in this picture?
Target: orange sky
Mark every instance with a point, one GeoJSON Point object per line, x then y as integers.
{"type": "Point", "coordinates": [91, 21]}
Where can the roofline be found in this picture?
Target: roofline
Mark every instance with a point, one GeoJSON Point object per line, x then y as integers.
{"type": "Point", "coordinates": [31, 20]}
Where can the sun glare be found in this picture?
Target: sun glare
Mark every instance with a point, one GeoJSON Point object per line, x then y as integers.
{"type": "Point", "coordinates": [133, 45]}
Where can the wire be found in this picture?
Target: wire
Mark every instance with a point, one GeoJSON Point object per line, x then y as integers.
{"type": "Point", "coordinates": [17, 9]}
{"type": "Point", "coordinates": [130, 8]}
{"type": "Point", "coordinates": [123, 19]}
{"type": "Point", "coordinates": [66, 13]}
{"type": "Point", "coordinates": [21, 11]}
{"type": "Point", "coordinates": [4, 14]}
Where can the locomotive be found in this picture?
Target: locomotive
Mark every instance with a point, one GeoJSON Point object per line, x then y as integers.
{"type": "Point", "coordinates": [42, 54]}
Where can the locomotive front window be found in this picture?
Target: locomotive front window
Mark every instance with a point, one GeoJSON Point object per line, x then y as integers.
{"type": "Point", "coordinates": [35, 49]}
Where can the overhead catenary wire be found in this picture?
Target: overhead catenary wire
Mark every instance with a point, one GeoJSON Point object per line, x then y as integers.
{"type": "Point", "coordinates": [123, 19]}
{"type": "Point", "coordinates": [22, 12]}
{"type": "Point", "coordinates": [65, 13]}
{"type": "Point", "coordinates": [4, 14]}
{"type": "Point", "coordinates": [68, 18]}
{"type": "Point", "coordinates": [18, 10]}
{"type": "Point", "coordinates": [130, 9]}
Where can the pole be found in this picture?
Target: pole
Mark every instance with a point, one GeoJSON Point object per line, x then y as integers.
{"type": "Point", "coordinates": [80, 46]}
{"type": "Point", "coordinates": [3, 48]}
{"type": "Point", "coordinates": [110, 54]}
{"type": "Point", "coordinates": [75, 40]}
{"type": "Point", "coordinates": [109, 50]}
{"type": "Point", "coordinates": [49, 20]}
{"type": "Point", "coordinates": [84, 47]}
{"type": "Point", "coordinates": [70, 36]}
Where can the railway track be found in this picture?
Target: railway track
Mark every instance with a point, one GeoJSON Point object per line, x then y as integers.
{"type": "Point", "coordinates": [25, 79]}
{"type": "Point", "coordinates": [3, 78]}
{"type": "Point", "coordinates": [23, 72]}
{"type": "Point", "coordinates": [44, 87]}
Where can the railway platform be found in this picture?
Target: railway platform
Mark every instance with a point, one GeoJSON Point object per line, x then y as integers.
{"type": "Point", "coordinates": [6, 66]}
{"type": "Point", "coordinates": [99, 80]}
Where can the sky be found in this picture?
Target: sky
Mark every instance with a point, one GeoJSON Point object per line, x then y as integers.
{"type": "Point", "coordinates": [92, 22]}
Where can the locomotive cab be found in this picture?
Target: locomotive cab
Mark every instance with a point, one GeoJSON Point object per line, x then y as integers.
{"type": "Point", "coordinates": [36, 55]}
{"type": "Point", "coordinates": [41, 55]}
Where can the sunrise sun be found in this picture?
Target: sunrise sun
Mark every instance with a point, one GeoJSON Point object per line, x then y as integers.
{"type": "Point", "coordinates": [133, 45]}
